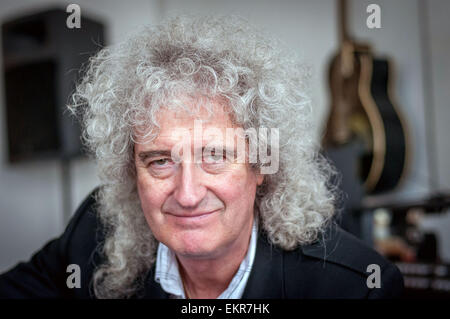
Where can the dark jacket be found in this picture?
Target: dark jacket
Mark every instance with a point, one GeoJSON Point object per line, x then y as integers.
{"type": "Point", "coordinates": [333, 268]}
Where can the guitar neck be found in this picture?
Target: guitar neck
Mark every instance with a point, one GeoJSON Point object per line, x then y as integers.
{"type": "Point", "coordinates": [346, 41]}
{"type": "Point", "coordinates": [343, 31]}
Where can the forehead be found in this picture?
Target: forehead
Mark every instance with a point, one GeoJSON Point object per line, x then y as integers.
{"type": "Point", "coordinates": [175, 124]}
{"type": "Point", "coordinates": [170, 120]}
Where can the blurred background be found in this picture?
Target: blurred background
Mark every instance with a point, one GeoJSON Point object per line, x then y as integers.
{"type": "Point", "coordinates": [380, 87]}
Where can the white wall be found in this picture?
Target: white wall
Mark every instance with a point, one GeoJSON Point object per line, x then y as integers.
{"type": "Point", "coordinates": [30, 204]}
{"type": "Point", "coordinates": [439, 40]}
{"type": "Point", "coordinates": [30, 194]}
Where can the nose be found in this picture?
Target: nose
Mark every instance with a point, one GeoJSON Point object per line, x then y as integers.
{"type": "Point", "coordinates": [189, 191]}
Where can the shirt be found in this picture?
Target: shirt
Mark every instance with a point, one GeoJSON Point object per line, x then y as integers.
{"type": "Point", "coordinates": [168, 276]}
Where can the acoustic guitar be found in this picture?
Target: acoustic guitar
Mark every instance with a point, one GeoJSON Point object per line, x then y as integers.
{"type": "Point", "coordinates": [362, 110]}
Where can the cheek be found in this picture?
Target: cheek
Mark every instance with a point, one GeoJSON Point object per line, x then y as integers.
{"type": "Point", "coordinates": [152, 194]}
{"type": "Point", "coordinates": [152, 197]}
{"type": "Point", "coordinates": [237, 188]}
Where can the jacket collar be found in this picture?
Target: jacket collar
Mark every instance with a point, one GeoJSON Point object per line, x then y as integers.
{"type": "Point", "coordinates": [153, 290]}
{"type": "Point", "coordinates": [266, 280]}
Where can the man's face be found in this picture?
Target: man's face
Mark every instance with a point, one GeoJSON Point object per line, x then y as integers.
{"type": "Point", "coordinates": [199, 204]}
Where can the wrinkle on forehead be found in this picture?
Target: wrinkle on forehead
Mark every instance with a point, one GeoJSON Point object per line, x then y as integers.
{"type": "Point", "coordinates": [205, 109]}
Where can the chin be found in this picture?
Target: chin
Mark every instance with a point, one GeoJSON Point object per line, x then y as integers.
{"type": "Point", "coordinates": [195, 247]}
{"type": "Point", "coordinates": [196, 252]}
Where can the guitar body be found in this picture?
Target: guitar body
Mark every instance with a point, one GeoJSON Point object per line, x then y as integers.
{"type": "Point", "coordinates": [393, 150]}
{"type": "Point", "coordinates": [363, 115]}
{"type": "Point", "coordinates": [362, 112]}
{"type": "Point", "coordinates": [344, 78]}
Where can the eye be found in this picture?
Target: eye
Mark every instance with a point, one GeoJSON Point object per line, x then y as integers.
{"type": "Point", "coordinates": [162, 162]}
{"type": "Point", "coordinates": [214, 157]}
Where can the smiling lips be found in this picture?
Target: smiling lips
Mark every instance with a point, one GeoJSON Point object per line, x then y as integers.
{"type": "Point", "coordinates": [195, 215]}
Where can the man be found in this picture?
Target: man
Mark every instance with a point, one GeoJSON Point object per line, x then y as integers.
{"type": "Point", "coordinates": [212, 184]}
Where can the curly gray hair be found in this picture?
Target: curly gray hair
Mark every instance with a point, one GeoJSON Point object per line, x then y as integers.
{"type": "Point", "coordinates": [125, 86]}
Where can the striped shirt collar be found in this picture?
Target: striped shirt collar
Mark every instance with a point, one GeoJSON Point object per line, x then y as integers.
{"type": "Point", "coordinates": [168, 275]}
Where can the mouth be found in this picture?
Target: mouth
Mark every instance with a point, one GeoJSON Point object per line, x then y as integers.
{"type": "Point", "coordinates": [194, 216]}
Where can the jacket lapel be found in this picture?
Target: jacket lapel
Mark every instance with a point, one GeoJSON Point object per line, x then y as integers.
{"type": "Point", "coordinates": [266, 278]}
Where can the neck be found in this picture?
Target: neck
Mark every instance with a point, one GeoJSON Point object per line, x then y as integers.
{"type": "Point", "coordinates": [208, 278]}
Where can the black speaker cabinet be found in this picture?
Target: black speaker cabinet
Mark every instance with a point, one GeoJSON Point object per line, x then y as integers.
{"type": "Point", "coordinates": [42, 58]}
